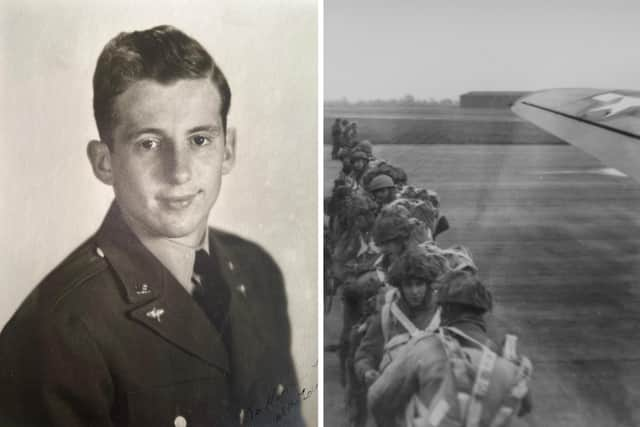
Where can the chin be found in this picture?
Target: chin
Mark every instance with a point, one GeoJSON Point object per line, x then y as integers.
{"type": "Point", "coordinates": [177, 230]}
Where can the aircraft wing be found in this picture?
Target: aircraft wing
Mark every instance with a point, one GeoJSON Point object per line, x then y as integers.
{"type": "Point", "coordinates": [603, 123]}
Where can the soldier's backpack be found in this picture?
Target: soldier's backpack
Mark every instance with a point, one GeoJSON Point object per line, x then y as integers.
{"type": "Point", "coordinates": [487, 390]}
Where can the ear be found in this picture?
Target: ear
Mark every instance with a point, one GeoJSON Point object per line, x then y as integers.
{"type": "Point", "coordinates": [229, 151]}
{"type": "Point", "coordinates": [100, 159]}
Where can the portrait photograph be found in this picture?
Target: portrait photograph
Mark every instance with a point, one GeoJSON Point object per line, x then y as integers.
{"type": "Point", "coordinates": [160, 213]}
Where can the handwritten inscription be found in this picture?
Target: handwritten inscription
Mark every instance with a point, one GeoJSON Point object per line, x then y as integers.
{"type": "Point", "coordinates": [278, 406]}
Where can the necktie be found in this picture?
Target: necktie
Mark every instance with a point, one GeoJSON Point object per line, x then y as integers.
{"type": "Point", "coordinates": [211, 292]}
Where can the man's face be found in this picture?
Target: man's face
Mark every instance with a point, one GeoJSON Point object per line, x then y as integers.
{"type": "Point", "coordinates": [358, 164]}
{"type": "Point", "coordinates": [414, 291]}
{"type": "Point", "coordinates": [383, 195]}
{"type": "Point", "coordinates": [168, 156]}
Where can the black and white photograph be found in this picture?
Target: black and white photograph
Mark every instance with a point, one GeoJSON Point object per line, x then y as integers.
{"type": "Point", "coordinates": [160, 213]}
{"type": "Point", "coordinates": [481, 228]}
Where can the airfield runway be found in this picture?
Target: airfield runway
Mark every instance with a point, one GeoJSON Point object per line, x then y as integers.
{"type": "Point", "coordinates": [557, 241]}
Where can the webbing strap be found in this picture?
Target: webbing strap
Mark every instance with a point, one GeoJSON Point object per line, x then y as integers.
{"type": "Point", "coordinates": [458, 332]}
{"type": "Point", "coordinates": [385, 314]}
{"type": "Point", "coordinates": [364, 247]}
{"type": "Point", "coordinates": [404, 320]}
{"type": "Point", "coordinates": [480, 388]}
{"type": "Point", "coordinates": [509, 350]}
{"type": "Point", "coordinates": [417, 414]}
{"type": "Point", "coordinates": [502, 416]}
{"type": "Point", "coordinates": [518, 391]}
{"type": "Point", "coordinates": [435, 321]}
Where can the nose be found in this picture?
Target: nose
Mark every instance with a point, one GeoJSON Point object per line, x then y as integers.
{"type": "Point", "coordinates": [415, 290]}
{"type": "Point", "coordinates": [178, 165]}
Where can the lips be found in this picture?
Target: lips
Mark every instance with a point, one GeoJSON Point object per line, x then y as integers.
{"type": "Point", "coordinates": [178, 202]}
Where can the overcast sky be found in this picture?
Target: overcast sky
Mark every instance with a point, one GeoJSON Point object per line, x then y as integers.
{"type": "Point", "coordinates": [441, 49]}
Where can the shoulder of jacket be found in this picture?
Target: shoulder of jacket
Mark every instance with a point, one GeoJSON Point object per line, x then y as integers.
{"type": "Point", "coordinates": [73, 272]}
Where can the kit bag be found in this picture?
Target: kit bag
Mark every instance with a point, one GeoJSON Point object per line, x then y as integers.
{"type": "Point", "coordinates": [482, 389]}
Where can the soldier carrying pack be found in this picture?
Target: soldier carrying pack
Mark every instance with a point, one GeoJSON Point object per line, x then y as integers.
{"type": "Point", "coordinates": [452, 377]}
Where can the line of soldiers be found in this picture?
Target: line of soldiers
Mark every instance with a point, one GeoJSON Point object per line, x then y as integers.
{"type": "Point", "coordinates": [409, 306]}
{"type": "Point", "coordinates": [343, 134]}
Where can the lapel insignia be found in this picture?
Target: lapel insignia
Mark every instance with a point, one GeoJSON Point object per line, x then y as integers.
{"type": "Point", "coordinates": [231, 266]}
{"type": "Point", "coordinates": [142, 289]}
{"type": "Point", "coordinates": [155, 313]}
{"type": "Point", "coordinates": [99, 252]}
{"type": "Point", "coordinates": [242, 289]}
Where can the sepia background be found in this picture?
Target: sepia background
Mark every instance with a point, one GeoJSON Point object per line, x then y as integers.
{"type": "Point", "coordinates": [51, 202]}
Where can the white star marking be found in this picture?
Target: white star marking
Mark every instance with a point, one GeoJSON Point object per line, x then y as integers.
{"type": "Point", "coordinates": [616, 103]}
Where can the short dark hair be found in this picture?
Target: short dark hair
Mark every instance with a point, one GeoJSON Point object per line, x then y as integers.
{"type": "Point", "coordinates": [164, 54]}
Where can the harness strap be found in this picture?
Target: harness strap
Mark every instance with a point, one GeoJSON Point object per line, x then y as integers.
{"type": "Point", "coordinates": [518, 391]}
{"type": "Point", "coordinates": [435, 321]}
{"type": "Point", "coordinates": [502, 416]}
{"type": "Point", "coordinates": [509, 350]}
{"type": "Point", "coordinates": [404, 320]}
{"type": "Point", "coordinates": [480, 387]}
{"type": "Point", "coordinates": [458, 332]}
{"type": "Point", "coordinates": [385, 314]}
{"type": "Point", "coordinates": [418, 415]}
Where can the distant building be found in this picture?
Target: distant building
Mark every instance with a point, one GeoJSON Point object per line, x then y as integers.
{"type": "Point", "coordinates": [490, 99]}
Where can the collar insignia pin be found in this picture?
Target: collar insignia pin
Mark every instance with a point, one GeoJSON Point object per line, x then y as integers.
{"type": "Point", "coordinates": [243, 290]}
{"type": "Point", "coordinates": [155, 313]}
{"type": "Point", "coordinates": [142, 289]}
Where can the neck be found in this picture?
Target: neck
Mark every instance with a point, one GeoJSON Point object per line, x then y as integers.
{"type": "Point", "coordinates": [144, 233]}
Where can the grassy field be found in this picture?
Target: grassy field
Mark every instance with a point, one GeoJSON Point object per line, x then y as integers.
{"type": "Point", "coordinates": [558, 244]}
{"type": "Point", "coordinates": [439, 125]}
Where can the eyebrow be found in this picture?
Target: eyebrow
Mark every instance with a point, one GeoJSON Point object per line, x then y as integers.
{"type": "Point", "coordinates": [211, 129]}
{"type": "Point", "coordinates": [158, 131]}
{"type": "Point", "coordinates": [137, 133]}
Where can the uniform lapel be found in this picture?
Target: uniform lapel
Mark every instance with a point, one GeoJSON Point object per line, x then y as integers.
{"type": "Point", "coordinates": [247, 340]}
{"type": "Point", "coordinates": [176, 317]}
{"type": "Point", "coordinates": [158, 301]}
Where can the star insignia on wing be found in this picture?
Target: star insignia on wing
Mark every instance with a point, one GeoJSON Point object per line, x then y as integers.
{"type": "Point", "coordinates": [614, 104]}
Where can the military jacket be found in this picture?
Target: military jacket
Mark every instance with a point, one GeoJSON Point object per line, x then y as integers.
{"type": "Point", "coordinates": [371, 349]}
{"type": "Point", "coordinates": [110, 338]}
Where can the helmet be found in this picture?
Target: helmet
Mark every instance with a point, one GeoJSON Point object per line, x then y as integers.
{"type": "Point", "coordinates": [366, 146]}
{"type": "Point", "coordinates": [380, 182]}
{"type": "Point", "coordinates": [359, 154]}
{"type": "Point", "coordinates": [391, 227]}
{"type": "Point", "coordinates": [416, 264]}
{"type": "Point", "coordinates": [464, 287]}
{"type": "Point", "coordinates": [398, 175]}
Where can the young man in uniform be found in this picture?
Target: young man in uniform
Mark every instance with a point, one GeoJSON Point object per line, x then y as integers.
{"type": "Point", "coordinates": [412, 274]}
{"type": "Point", "coordinates": [156, 319]}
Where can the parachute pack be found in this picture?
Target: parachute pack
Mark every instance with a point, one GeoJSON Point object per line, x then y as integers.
{"type": "Point", "coordinates": [477, 386]}
{"type": "Point", "coordinates": [487, 390]}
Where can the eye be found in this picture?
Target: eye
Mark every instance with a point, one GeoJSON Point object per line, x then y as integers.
{"type": "Point", "coordinates": [148, 144]}
{"type": "Point", "coordinates": [200, 140]}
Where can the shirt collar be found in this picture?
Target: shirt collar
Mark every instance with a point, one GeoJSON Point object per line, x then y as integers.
{"type": "Point", "coordinates": [176, 256]}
